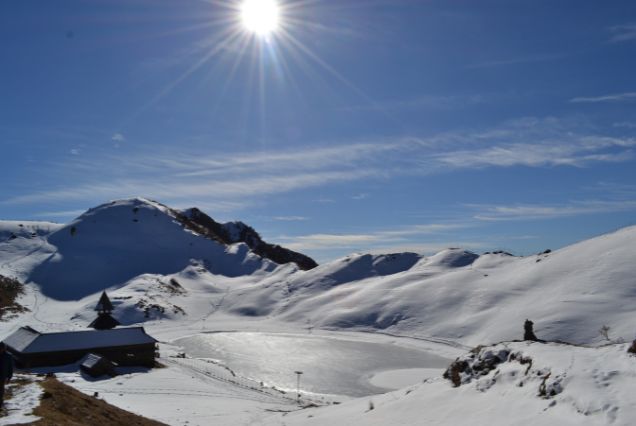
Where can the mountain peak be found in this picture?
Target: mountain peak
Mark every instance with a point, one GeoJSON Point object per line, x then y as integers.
{"type": "Point", "coordinates": [195, 220]}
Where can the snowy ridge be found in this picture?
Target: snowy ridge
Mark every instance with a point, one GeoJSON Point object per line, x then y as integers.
{"type": "Point", "coordinates": [178, 282]}
{"type": "Point", "coordinates": [115, 242]}
{"type": "Point", "coordinates": [11, 229]}
{"type": "Point", "coordinates": [138, 250]}
{"type": "Point", "coordinates": [569, 293]}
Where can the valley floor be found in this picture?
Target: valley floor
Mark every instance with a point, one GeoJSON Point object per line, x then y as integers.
{"type": "Point", "coordinates": [227, 390]}
{"type": "Point", "coordinates": [231, 392]}
{"type": "Point", "coordinates": [235, 328]}
{"type": "Point", "coordinates": [508, 383]}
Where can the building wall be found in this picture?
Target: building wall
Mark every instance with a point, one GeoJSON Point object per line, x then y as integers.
{"type": "Point", "coordinates": [136, 355]}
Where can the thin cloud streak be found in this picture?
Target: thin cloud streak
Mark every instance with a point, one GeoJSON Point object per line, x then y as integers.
{"type": "Point", "coordinates": [290, 218]}
{"type": "Point", "coordinates": [519, 60]}
{"type": "Point", "coordinates": [175, 191]}
{"type": "Point", "coordinates": [426, 102]}
{"type": "Point", "coordinates": [330, 241]}
{"type": "Point", "coordinates": [623, 33]}
{"type": "Point", "coordinates": [60, 214]}
{"type": "Point", "coordinates": [616, 97]}
{"type": "Point", "coordinates": [232, 178]}
{"type": "Point", "coordinates": [530, 212]}
{"type": "Point", "coordinates": [534, 155]}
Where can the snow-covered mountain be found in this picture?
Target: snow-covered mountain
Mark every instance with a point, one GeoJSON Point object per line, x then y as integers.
{"type": "Point", "coordinates": [113, 243]}
{"type": "Point", "coordinates": [162, 264]}
{"type": "Point", "coordinates": [455, 294]}
{"type": "Point", "coordinates": [183, 274]}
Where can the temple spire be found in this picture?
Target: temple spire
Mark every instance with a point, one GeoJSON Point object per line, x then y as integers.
{"type": "Point", "coordinates": [104, 306]}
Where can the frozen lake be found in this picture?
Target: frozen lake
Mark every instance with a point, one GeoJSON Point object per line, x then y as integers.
{"type": "Point", "coordinates": [330, 365]}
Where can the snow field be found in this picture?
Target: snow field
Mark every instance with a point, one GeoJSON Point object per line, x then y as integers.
{"type": "Point", "coordinates": [178, 285]}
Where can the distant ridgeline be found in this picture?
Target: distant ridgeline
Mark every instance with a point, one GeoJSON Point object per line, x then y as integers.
{"type": "Point", "coordinates": [238, 232]}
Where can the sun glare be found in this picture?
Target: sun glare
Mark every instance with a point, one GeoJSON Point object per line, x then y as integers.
{"type": "Point", "coordinates": [260, 16]}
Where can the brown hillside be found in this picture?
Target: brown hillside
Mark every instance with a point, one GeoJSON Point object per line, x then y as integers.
{"type": "Point", "coordinates": [63, 405]}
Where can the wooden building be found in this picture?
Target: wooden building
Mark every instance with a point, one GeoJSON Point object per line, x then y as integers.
{"type": "Point", "coordinates": [96, 365]}
{"type": "Point", "coordinates": [129, 346]}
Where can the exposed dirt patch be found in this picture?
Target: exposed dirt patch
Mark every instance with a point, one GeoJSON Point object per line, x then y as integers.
{"type": "Point", "coordinates": [10, 289]}
{"type": "Point", "coordinates": [63, 405]}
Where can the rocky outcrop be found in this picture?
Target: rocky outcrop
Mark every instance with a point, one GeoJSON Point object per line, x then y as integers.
{"type": "Point", "coordinates": [238, 232]}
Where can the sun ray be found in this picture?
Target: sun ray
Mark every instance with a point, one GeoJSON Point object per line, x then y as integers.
{"type": "Point", "coordinates": [288, 37]}
{"type": "Point", "coordinates": [230, 36]}
{"type": "Point", "coordinates": [240, 57]}
{"type": "Point", "coordinates": [271, 53]}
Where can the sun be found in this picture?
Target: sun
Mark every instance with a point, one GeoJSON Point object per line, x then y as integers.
{"type": "Point", "coordinates": [260, 17]}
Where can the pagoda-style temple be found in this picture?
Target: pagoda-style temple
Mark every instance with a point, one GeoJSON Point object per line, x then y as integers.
{"type": "Point", "coordinates": [104, 320]}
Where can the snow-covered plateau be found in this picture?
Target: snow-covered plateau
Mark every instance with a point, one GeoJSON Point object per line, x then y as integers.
{"type": "Point", "coordinates": [372, 334]}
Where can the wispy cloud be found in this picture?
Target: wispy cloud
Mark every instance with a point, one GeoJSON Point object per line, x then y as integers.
{"type": "Point", "coordinates": [290, 218]}
{"type": "Point", "coordinates": [118, 137]}
{"type": "Point", "coordinates": [233, 178]}
{"type": "Point", "coordinates": [324, 200]}
{"type": "Point", "coordinates": [542, 57]}
{"type": "Point", "coordinates": [64, 214]}
{"type": "Point", "coordinates": [432, 102]}
{"type": "Point", "coordinates": [574, 153]}
{"type": "Point", "coordinates": [538, 211]}
{"type": "Point", "coordinates": [622, 33]}
{"type": "Point", "coordinates": [165, 190]}
{"type": "Point", "coordinates": [399, 235]}
{"type": "Point", "coordinates": [617, 97]}
{"type": "Point", "coordinates": [625, 125]}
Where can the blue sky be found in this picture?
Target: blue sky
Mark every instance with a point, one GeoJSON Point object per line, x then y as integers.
{"type": "Point", "coordinates": [375, 125]}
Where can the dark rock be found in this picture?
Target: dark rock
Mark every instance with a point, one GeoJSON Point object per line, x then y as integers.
{"type": "Point", "coordinates": [238, 232]}
{"type": "Point", "coordinates": [528, 331]}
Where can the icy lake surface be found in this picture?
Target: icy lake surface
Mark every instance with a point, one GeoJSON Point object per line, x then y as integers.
{"type": "Point", "coordinates": [330, 365]}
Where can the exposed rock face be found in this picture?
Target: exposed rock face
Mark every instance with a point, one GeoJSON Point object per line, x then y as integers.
{"type": "Point", "coordinates": [235, 232]}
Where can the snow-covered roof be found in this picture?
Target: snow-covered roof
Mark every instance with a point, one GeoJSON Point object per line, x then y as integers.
{"type": "Point", "coordinates": [28, 340]}
{"type": "Point", "coordinates": [22, 338]}
{"type": "Point", "coordinates": [91, 360]}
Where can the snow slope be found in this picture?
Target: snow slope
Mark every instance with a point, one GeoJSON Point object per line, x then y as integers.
{"type": "Point", "coordinates": [156, 269]}
{"type": "Point", "coordinates": [178, 284]}
{"type": "Point", "coordinates": [457, 295]}
{"type": "Point", "coordinates": [115, 242]}
{"type": "Point", "coordinates": [20, 245]}
{"type": "Point", "coordinates": [532, 383]}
